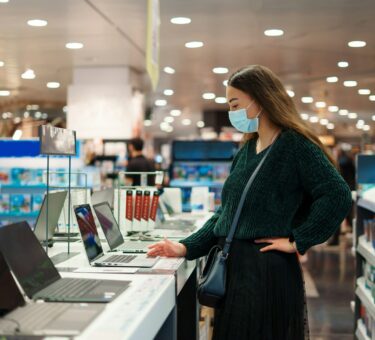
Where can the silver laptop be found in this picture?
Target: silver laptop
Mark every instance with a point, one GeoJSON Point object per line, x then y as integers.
{"type": "Point", "coordinates": [56, 202]}
{"type": "Point", "coordinates": [51, 319]}
{"type": "Point", "coordinates": [112, 232]}
{"type": "Point", "coordinates": [93, 247]}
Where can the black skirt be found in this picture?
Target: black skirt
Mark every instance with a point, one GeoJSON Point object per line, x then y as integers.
{"type": "Point", "coordinates": [265, 297]}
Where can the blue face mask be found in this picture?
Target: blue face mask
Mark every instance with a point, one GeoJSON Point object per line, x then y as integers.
{"type": "Point", "coordinates": [240, 121]}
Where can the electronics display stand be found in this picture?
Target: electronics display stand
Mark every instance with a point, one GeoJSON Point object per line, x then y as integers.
{"type": "Point", "coordinates": [159, 176]}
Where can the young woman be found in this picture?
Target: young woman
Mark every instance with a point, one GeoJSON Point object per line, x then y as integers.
{"type": "Point", "coordinates": [297, 200]}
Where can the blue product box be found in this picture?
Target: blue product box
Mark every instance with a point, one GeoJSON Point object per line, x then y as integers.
{"type": "Point", "coordinates": [20, 204]}
{"type": "Point", "coordinates": [37, 202]}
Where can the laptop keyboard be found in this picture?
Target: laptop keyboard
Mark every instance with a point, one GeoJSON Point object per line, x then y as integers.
{"type": "Point", "coordinates": [33, 316]}
{"type": "Point", "coordinates": [120, 258]}
{"type": "Point", "coordinates": [68, 287]}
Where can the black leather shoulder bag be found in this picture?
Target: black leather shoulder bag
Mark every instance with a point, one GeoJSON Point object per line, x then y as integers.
{"type": "Point", "coordinates": [212, 283]}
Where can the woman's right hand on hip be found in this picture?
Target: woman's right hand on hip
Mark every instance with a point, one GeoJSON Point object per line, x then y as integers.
{"type": "Point", "coordinates": [167, 248]}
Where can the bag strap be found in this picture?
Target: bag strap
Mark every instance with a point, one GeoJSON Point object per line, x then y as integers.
{"type": "Point", "coordinates": [233, 227]}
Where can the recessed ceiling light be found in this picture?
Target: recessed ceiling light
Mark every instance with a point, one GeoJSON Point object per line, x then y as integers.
{"type": "Point", "coordinates": [220, 100]}
{"type": "Point", "coordinates": [364, 92]}
{"type": "Point", "coordinates": [17, 120]}
{"type": "Point", "coordinates": [169, 119]}
{"type": "Point", "coordinates": [343, 112]}
{"type": "Point", "coordinates": [194, 44]}
{"type": "Point", "coordinates": [307, 100]}
{"type": "Point", "coordinates": [314, 119]}
{"type": "Point", "coordinates": [180, 21]}
{"type": "Point", "coordinates": [208, 95]}
{"type": "Point", "coordinates": [320, 105]}
{"type": "Point", "coordinates": [2, 63]}
{"type": "Point", "coordinates": [200, 124]}
{"type": "Point", "coordinates": [175, 113]}
{"type": "Point", "coordinates": [168, 92]}
{"type": "Point", "coordinates": [324, 121]}
{"type": "Point", "coordinates": [147, 122]}
{"type": "Point", "coordinates": [74, 45]}
{"type": "Point", "coordinates": [4, 1]}
{"type": "Point", "coordinates": [366, 128]}
{"type": "Point", "coordinates": [342, 64]}
{"type": "Point", "coordinates": [169, 129]}
{"type": "Point", "coordinates": [160, 102]}
{"type": "Point", "coordinates": [352, 115]}
{"type": "Point", "coordinates": [186, 121]}
{"type": "Point", "coordinates": [330, 126]}
{"type": "Point", "coordinates": [26, 114]}
{"type": "Point", "coordinates": [28, 74]}
{"type": "Point", "coordinates": [373, 118]}
{"type": "Point", "coordinates": [357, 43]}
{"type": "Point", "coordinates": [169, 70]}
{"type": "Point", "coordinates": [44, 115]}
{"type": "Point", "coordinates": [333, 108]}
{"type": "Point", "coordinates": [305, 116]}
{"type": "Point", "coordinates": [4, 93]}
{"type": "Point", "coordinates": [225, 83]}
{"type": "Point", "coordinates": [350, 83]}
{"type": "Point", "coordinates": [290, 93]}
{"type": "Point", "coordinates": [220, 70]}
{"type": "Point", "coordinates": [274, 32]}
{"type": "Point", "coordinates": [38, 115]}
{"type": "Point", "coordinates": [37, 22]}
{"type": "Point", "coordinates": [360, 123]}
{"type": "Point", "coordinates": [53, 85]}
{"type": "Point", "coordinates": [332, 79]}
{"type": "Point", "coordinates": [372, 98]}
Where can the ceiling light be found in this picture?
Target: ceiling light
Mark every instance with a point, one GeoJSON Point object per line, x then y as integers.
{"type": "Point", "coordinates": [200, 124]}
{"type": "Point", "coordinates": [194, 44]}
{"type": "Point", "coordinates": [44, 115]}
{"type": "Point", "coordinates": [324, 121]}
{"type": "Point", "coordinates": [208, 95]}
{"type": "Point", "coordinates": [360, 122]}
{"type": "Point", "coordinates": [26, 114]}
{"type": "Point", "coordinates": [37, 22]}
{"type": "Point", "coordinates": [350, 83]}
{"type": "Point", "coordinates": [343, 112]}
{"type": "Point", "coordinates": [290, 93]}
{"type": "Point", "coordinates": [373, 118]}
{"type": "Point", "coordinates": [366, 128]}
{"type": "Point", "coordinates": [32, 107]}
{"type": "Point", "coordinates": [169, 129]}
{"type": "Point", "coordinates": [220, 70]}
{"type": "Point", "coordinates": [352, 115]}
{"type": "Point", "coordinates": [330, 126]}
{"type": "Point", "coordinates": [305, 116]}
{"type": "Point", "coordinates": [160, 102]}
{"type": "Point", "coordinates": [225, 83]}
{"type": "Point", "coordinates": [175, 113]}
{"type": "Point", "coordinates": [372, 98]}
{"type": "Point", "coordinates": [169, 119]}
{"type": "Point", "coordinates": [320, 105]}
{"type": "Point", "coordinates": [17, 135]}
{"type": "Point", "coordinates": [332, 79]}
{"type": "Point", "coordinates": [342, 64]}
{"type": "Point", "coordinates": [364, 92]}
{"type": "Point", "coordinates": [4, 93]}
{"type": "Point", "coordinates": [65, 109]}
{"type": "Point", "coordinates": [10, 114]}
{"type": "Point", "coordinates": [314, 119]}
{"type": "Point", "coordinates": [307, 100]}
{"type": "Point", "coordinates": [357, 43]}
{"type": "Point", "coordinates": [147, 122]}
{"type": "Point", "coordinates": [17, 120]}
{"type": "Point", "coordinates": [74, 45]}
{"type": "Point", "coordinates": [180, 21]}
{"type": "Point", "coordinates": [186, 121]}
{"type": "Point", "coordinates": [164, 126]}
{"type": "Point", "coordinates": [220, 100]}
{"type": "Point", "coordinates": [53, 85]}
{"type": "Point", "coordinates": [273, 32]}
{"type": "Point", "coordinates": [38, 115]}
{"type": "Point", "coordinates": [169, 70]}
{"type": "Point", "coordinates": [333, 108]}
{"type": "Point", "coordinates": [4, 1]}
{"type": "Point", "coordinates": [4, 115]}
{"type": "Point", "coordinates": [1, 63]}
{"type": "Point", "coordinates": [28, 74]}
{"type": "Point", "coordinates": [168, 92]}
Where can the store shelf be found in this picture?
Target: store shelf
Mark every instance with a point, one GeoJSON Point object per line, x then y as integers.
{"type": "Point", "coordinates": [366, 250]}
{"type": "Point", "coordinates": [361, 331]}
{"type": "Point", "coordinates": [20, 215]}
{"type": "Point", "coordinates": [365, 296]}
{"type": "Point", "coordinates": [367, 204]}
{"type": "Point", "coordinates": [23, 186]}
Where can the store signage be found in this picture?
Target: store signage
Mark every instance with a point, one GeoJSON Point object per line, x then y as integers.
{"type": "Point", "coordinates": [57, 141]}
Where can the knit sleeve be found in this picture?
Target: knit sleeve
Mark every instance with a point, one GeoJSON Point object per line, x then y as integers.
{"type": "Point", "coordinates": [331, 196]}
{"type": "Point", "coordinates": [200, 243]}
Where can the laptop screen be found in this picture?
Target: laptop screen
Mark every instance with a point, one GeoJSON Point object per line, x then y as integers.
{"type": "Point", "coordinates": [27, 259]}
{"type": "Point", "coordinates": [89, 232]}
{"type": "Point", "coordinates": [10, 295]}
{"type": "Point", "coordinates": [109, 225]}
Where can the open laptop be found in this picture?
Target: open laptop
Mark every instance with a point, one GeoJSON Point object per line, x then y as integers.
{"type": "Point", "coordinates": [56, 202]}
{"type": "Point", "coordinates": [112, 232]}
{"type": "Point", "coordinates": [175, 223]}
{"type": "Point", "coordinates": [36, 318]}
{"type": "Point", "coordinates": [93, 247]}
{"type": "Point", "coordinates": [39, 278]}
{"type": "Point", "coordinates": [106, 195]}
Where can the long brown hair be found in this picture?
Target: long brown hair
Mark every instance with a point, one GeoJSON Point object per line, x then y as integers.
{"type": "Point", "coordinates": [266, 89]}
